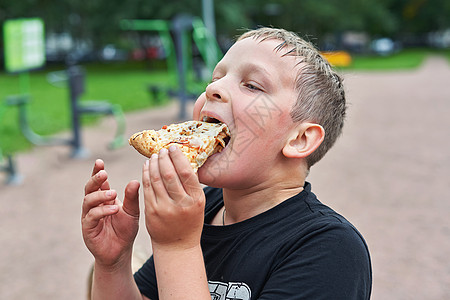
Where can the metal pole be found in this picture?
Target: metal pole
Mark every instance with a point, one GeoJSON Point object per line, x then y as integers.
{"type": "Point", "coordinates": [208, 16]}
{"type": "Point", "coordinates": [76, 77]}
{"type": "Point", "coordinates": [178, 35]}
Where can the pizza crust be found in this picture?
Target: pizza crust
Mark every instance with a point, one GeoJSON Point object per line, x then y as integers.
{"type": "Point", "coordinates": [197, 140]}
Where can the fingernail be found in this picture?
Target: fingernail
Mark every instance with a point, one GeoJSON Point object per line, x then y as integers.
{"type": "Point", "coordinates": [163, 151]}
{"type": "Point", "coordinates": [154, 156]}
{"type": "Point", "coordinates": [172, 148]}
{"type": "Point", "coordinates": [147, 162]}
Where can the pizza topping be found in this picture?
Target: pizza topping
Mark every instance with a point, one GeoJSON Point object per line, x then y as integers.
{"type": "Point", "coordinates": [197, 140]}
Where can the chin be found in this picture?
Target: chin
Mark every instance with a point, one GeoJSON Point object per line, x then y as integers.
{"type": "Point", "coordinates": [215, 170]}
{"type": "Point", "coordinates": [229, 178]}
{"type": "Point", "coordinates": [210, 175]}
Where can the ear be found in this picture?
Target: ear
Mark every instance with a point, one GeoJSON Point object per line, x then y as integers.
{"type": "Point", "coordinates": [305, 139]}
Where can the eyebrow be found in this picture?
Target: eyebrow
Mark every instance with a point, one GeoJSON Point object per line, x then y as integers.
{"type": "Point", "coordinates": [248, 65]}
{"type": "Point", "coordinates": [251, 68]}
{"type": "Point", "coordinates": [256, 68]}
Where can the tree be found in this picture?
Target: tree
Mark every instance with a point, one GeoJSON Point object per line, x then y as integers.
{"type": "Point", "coordinates": [98, 20]}
{"type": "Point", "coordinates": [421, 16]}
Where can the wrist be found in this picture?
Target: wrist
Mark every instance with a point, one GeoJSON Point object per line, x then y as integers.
{"type": "Point", "coordinates": [123, 262]}
{"type": "Point", "coordinates": [178, 246]}
{"type": "Point", "coordinates": [114, 281]}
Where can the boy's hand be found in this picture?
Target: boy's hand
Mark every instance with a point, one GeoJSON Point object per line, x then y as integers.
{"type": "Point", "coordinates": [174, 200]}
{"type": "Point", "coordinates": [109, 226]}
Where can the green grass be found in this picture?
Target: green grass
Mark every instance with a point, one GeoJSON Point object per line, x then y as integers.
{"type": "Point", "coordinates": [403, 60]}
{"type": "Point", "coordinates": [49, 111]}
{"type": "Point", "coordinates": [406, 59]}
{"type": "Point", "coordinates": [443, 52]}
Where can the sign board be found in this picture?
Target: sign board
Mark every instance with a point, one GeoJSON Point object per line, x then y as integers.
{"type": "Point", "coordinates": [24, 44]}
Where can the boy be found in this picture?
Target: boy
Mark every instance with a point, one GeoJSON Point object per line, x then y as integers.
{"type": "Point", "coordinates": [263, 234]}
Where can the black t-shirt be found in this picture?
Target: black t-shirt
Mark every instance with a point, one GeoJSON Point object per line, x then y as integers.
{"type": "Point", "coordinates": [299, 249]}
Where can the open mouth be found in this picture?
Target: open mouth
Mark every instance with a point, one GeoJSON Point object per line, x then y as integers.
{"type": "Point", "coordinates": [224, 137]}
{"type": "Point", "coordinates": [210, 120]}
{"type": "Point", "coordinates": [226, 140]}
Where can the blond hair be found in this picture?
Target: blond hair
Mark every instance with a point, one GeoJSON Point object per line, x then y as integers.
{"type": "Point", "coordinates": [321, 96]}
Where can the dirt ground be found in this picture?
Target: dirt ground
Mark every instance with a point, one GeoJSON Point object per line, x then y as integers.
{"type": "Point", "coordinates": [388, 174]}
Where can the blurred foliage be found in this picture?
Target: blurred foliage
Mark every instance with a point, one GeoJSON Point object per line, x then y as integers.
{"type": "Point", "coordinates": [376, 17]}
{"type": "Point", "coordinates": [98, 20]}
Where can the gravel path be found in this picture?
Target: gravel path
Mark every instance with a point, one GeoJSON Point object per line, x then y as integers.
{"type": "Point", "coordinates": [388, 174]}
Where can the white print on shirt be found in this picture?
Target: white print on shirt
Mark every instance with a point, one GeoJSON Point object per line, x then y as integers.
{"type": "Point", "coordinates": [229, 291]}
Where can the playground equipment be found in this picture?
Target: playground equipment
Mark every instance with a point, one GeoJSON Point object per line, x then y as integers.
{"type": "Point", "coordinates": [177, 38]}
{"type": "Point", "coordinates": [10, 168]}
{"type": "Point", "coordinates": [24, 50]}
{"type": "Point", "coordinates": [20, 59]}
{"type": "Point", "coordinates": [8, 165]}
{"type": "Point", "coordinates": [338, 58]}
{"type": "Point", "coordinates": [74, 78]}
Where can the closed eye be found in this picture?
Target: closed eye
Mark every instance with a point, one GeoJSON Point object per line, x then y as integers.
{"type": "Point", "coordinates": [252, 87]}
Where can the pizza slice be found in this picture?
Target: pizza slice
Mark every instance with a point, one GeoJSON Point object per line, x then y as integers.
{"type": "Point", "coordinates": [197, 140]}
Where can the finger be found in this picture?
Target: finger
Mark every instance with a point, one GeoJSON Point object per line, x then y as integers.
{"type": "Point", "coordinates": [155, 179]}
{"type": "Point", "coordinates": [131, 199]}
{"type": "Point", "coordinates": [94, 215]}
{"type": "Point", "coordinates": [97, 198]}
{"type": "Point", "coordinates": [149, 194]}
{"type": "Point", "coordinates": [96, 182]}
{"type": "Point", "coordinates": [105, 186]}
{"type": "Point", "coordinates": [185, 172]}
{"type": "Point", "coordinates": [98, 166]}
{"type": "Point", "coordinates": [169, 176]}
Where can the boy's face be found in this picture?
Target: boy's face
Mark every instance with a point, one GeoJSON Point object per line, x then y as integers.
{"type": "Point", "coordinates": [253, 92]}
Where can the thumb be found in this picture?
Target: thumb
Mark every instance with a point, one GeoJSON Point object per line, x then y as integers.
{"type": "Point", "coordinates": [131, 199]}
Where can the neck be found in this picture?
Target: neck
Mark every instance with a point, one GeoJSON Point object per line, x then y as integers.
{"type": "Point", "coordinates": [261, 193]}
{"type": "Point", "coordinates": [247, 203]}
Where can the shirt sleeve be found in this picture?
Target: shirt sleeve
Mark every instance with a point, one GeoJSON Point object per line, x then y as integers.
{"type": "Point", "coordinates": [332, 263]}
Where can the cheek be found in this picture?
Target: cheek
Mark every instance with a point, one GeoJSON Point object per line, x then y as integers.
{"type": "Point", "coordinates": [262, 129]}
{"type": "Point", "coordinates": [265, 112]}
{"type": "Point", "coordinates": [201, 100]}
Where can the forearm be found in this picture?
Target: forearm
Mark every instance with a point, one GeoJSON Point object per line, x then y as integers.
{"type": "Point", "coordinates": [181, 273]}
{"type": "Point", "coordinates": [115, 282]}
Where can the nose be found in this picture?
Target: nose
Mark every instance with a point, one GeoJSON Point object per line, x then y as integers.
{"type": "Point", "coordinates": [216, 92]}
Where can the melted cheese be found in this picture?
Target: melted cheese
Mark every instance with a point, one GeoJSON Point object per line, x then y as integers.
{"type": "Point", "coordinates": [197, 140]}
